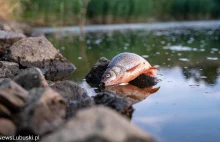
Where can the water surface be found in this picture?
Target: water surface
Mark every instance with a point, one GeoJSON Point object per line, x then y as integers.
{"type": "Point", "coordinates": [187, 106]}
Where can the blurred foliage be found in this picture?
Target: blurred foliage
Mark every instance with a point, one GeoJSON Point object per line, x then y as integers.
{"type": "Point", "coordinates": [9, 9]}
{"type": "Point", "coordinates": [68, 12]}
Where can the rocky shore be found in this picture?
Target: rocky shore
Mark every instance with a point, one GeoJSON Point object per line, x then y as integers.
{"type": "Point", "coordinates": [36, 99]}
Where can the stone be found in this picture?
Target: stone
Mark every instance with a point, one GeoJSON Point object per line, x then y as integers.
{"type": "Point", "coordinates": [75, 95]}
{"type": "Point", "coordinates": [7, 39]}
{"type": "Point", "coordinates": [7, 127]}
{"type": "Point", "coordinates": [8, 69]}
{"type": "Point", "coordinates": [12, 95]}
{"type": "Point", "coordinates": [39, 52]}
{"type": "Point", "coordinates": [94, 76]}
{"type": "Point", "coordinates": [44, 112]}
{"type": "Point", "coordinates": [115, 102]}
{"type": "Point", "coordinates": [98, 124]}
{"type": "Point", "coordinates": [15, 27]}
{"type": "Point", "coordinates": [31, 78]}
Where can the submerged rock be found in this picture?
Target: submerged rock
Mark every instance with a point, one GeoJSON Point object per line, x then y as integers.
{"type": "Point", "coordinates": [12, 96]}
{"type": "Point", "coordinates": [7, 39]}
{"type": "Point", "coordinates": [115, 102]}
{"type": "Point", "coordinates": [98, 124]}
{"type": "Point", "coordinates": [39, 52]}
{"type": "Point", "coordinates": [8, 69]}
{"type": "Point", "coordinates": [45, 111]}
{"type": "Point", "coordinates": [75, 95]}
{"type": "Point", "coordinates": [95, 75]}
{"type": "Point", "coordinates": [7, 127]}
{"type": "Point", "coordinates": [31, 78]}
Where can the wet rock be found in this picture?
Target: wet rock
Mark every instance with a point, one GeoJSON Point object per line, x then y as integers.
{"type": "Point", "coordinates": [31, 78]}
{"type": "Point", "coordinates": [120, 104]}
{"type": "Point", "coordinates": [75, 95]}
{"type": "Point", "coordinates": [98, 124]}
{"type": "Point", "coordinates": [7, 127]}
{"type": "Point", "coordinates": [12, 95]}
{"type": "Point", "coordinates": [95, 75]}
{"type": "Point", "coordinates": [44, 112]}
{"type": "Point", "coordinates": [8, 69]}
{"type": "Point", "coordinates": [7, 39]}
{"type": "Point", "coordinates": [39, 52]}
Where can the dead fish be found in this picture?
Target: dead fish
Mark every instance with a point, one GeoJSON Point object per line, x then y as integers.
{"type": "Point", "coordinates": [125, 67]}
{"type": "Point", "coordinates": [132, 92]}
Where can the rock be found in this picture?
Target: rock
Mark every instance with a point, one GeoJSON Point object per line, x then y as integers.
{"type": "Point", "coordinates": [31, 78]}
{"type": "Point", "coordinates": [4, 111]}
{"type": "Point", "coordinates": [98, 124]}
{"type": "Point", "coordinates": [15, 27]}
{"type": "Point", "coordinates": [115, 102]}
{"type": "Point", "coordinates": [94, 76]}
{"type": "Point", "coordinates": [7, 127]}
{"type": "Point", "coordinates": [12, 95]}
{"type": "Point", "coordinates": [8, 69]}
{"type": "Point", "coordinates": [7, 39]}
{"type": "Point", "coordinates": [39, 52]}
{"type": "Point", "coordinates": [75, 95]}
{"type": "Point", "coordinates": [44, 112]}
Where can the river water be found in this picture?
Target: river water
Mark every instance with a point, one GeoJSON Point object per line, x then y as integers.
{"type": "Point", "coordinates": [187, 105]}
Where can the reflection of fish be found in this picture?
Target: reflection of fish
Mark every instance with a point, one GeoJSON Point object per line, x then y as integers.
{"type": "Point", "coordinates": [125, 67]}
{"type": "Point", "coordinates": [131, 92]}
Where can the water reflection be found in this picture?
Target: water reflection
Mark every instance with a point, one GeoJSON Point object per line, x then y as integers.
{"type": "Point", "coordinates": [132, 92]}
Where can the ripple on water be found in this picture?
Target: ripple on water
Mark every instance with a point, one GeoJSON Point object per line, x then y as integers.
{"type": "Point", "coordinates": [212, 58]}
{"type": "Point", "coordinates": [179, 48]}
{"type": "Point", "coordinates": [184, 59]}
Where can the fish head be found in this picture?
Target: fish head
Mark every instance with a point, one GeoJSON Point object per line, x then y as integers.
{"type": "Point", "coordinates": [111, 76]}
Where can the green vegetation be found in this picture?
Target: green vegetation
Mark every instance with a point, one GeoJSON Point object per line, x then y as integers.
{"type": "Point", "coordinates": [69, 12]}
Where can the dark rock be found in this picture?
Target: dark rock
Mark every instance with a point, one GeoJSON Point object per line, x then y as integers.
{"type": "Point", "coordinates": [4, 111]}
{"type": "Point", "coordinates": [75, 95]}
{"type": "Point", "coordinates": [44, 112]}
{"type": "Point", "coordinates": [12, 95]}
{"type": "Point", "coordinates": [96, 125]}
{"type": "Point", "coordinates": [94, 76]}
{"type": "Point", "coordinates": [8, 69]}
{"type": "Point", "coordinates": [31, 78]}
{"type": "Point", "coordinates": [115, 102]}
{"type": "Point", "coordinates": [7, 127]}
{"type": "Point", "coordinates": [39, 52]}
{"type": "Point", "coordinates": [7, 39]}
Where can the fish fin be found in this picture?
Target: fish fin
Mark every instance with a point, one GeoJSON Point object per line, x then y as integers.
{"type": "Point", "coordinates": [133, 68]}
{"type": "Point", "coordinates": [151, 72]}
{"type": "Point", "coordinates": [154, 90]}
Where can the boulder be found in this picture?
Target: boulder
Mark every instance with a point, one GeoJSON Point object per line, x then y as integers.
{"type": "Point", "coordinates": [94, 76]}
{"type": "Point", "coordinates": [7, 39]}
{"type": "Point", "coordinates": [8, 69]}
{"type": "Point", "coordinates": [75, 95]}
{"type": "Point", "coordinates": [39, 52]}
{"type": "Point", "coordinates": [98, 124]}
{"type": "Point", "coordinates": [118, 103]}
{"type": "Point", "coordinates": [31, 78]}
{"type": "Point", "coordinates": [12, 96]}
{"type": "Point", "coordinates": [44, 112]}
{"type": "Point", "coordinates": [7, 127]}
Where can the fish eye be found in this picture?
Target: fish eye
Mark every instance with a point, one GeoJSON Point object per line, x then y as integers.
{"type": "Point", "coordinates": [108, 75]}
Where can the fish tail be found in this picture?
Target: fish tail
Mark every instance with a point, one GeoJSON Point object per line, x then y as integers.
{"type": "Point", "coordinates": [150, 71]}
